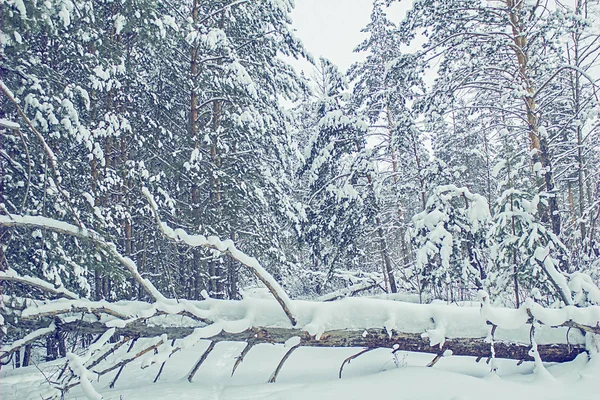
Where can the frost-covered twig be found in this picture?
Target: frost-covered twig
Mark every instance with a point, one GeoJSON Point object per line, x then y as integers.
{"type": "Point", "coordinates": [225, 247]}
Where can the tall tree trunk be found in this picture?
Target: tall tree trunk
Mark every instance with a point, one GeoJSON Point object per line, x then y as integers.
{"type": "Point", "coordinates": [538, 144]}
{"type": "Point", "coordinates": [27, 355]}
{"type": "Point", "coordinates": [387, 261]}
{"type": "Point", "coordinates": [195, 286]}
{"type": "Point", "coordinates": [581, 8]}
{"type": "Point", "coordinates": [3, 231]}
{"type": "Point", "coordinates": [216, 266]}
{"type": "Point", "coordinates": [216, 270]}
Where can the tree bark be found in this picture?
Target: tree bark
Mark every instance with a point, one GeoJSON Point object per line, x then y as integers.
{"type": "Point", "coordinates": [370, 338]}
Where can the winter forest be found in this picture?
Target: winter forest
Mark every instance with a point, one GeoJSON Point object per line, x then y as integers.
{"type": "Point", "coordinates": [187, 213]}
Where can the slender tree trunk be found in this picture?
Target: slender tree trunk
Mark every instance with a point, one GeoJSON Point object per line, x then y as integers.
{"type": "Point", "coordinates": [576, 86]}
{"type": "Point", "coordinates": [514, 250]}
{"type": "Point", "coordinates": [388, 270]}
{"type": "Point", "coordinates": [420, 177]}
{"type": "Point", "coordinates": [217, 271]}
{"type": "Point", "coordinates": [488, 169]}
{"type": "Point", "coordinates": [195, 286]}
{"type": "Point", "coordinates": [27, 355]}
{"type": "Point", "coordinates": [3, 231]}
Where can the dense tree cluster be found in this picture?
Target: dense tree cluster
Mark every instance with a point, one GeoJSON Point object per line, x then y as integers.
{"type": "Point", "coordinates": [461, 154]}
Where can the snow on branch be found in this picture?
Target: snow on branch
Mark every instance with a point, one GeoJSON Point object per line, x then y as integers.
{"type": "Point", "coordinates": [225, 247]}
{"type": "Point", "coordinates": [586, 319]}
{"type": "Point", "coordinates": [548, 264]}
{"type": "Point", "coordinates": [28, 339]}
{"type": "Point", "coordinates": [351, 290]}
{"type": "Point", "coordinates": [4, 123]}
{"type": "Point", "coordinates": [124, 312]}
{"type": "Point", "coordinates": [583, 287]}
{"type": "Point", "coordinates": [12, 276]}
{"type": "Point", "coordinates": [12, 220]}
{"type": "Point", "coordinates": [49, 153]}
{"type": "Point", "coordinates": [76, 363]}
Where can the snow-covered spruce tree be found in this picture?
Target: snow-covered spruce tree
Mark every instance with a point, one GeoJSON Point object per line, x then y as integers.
{"type": "Point", "coordinates": [450, 236]}
{"type": "Point", "coordinates": [100, 85]}
{"type": "Point", "coordinates": [123, 133]}
{"type": "Point", "coordinates": [56, 59]}
{"type": "Point", "coordinates": [39, 73]}
{"type": "Point", "coordinates": [338, 200]}
{"type": "Point", "coordinates": [123, 106]}
{"type": "Point", "coordinates": [385, 86]}
{"type": "Point", "coordinates": [28, 182]}
{"type": "Point", "coordinates": [520, 244]}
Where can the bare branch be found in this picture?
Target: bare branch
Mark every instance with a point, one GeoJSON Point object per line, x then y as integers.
{"type": "Point", "coordinates": [287, 355]}
{"type": "Point", "coordinates": [352, 357]}
{"type": "Point", "coordinates": [203, 358]}
{"type": "Point", "coordinates": [114, 381]}
{"type": "Point", "coordinates": [241, 357]}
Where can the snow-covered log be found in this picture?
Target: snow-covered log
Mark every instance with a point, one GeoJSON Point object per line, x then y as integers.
{"type": "Point", "coordinates": [365, 338]}
{"type": "Point", "coordinates": [351, 322]}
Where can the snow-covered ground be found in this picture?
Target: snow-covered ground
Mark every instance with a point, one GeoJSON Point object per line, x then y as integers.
{"type": "Point", "coordinates": [312, 373]}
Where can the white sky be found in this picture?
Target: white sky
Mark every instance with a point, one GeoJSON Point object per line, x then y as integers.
{"type": "Point", "coordinates": [331, 28]}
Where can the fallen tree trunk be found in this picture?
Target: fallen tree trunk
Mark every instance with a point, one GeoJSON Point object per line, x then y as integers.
{"type": "Point", "coordinates": [370, 338]}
